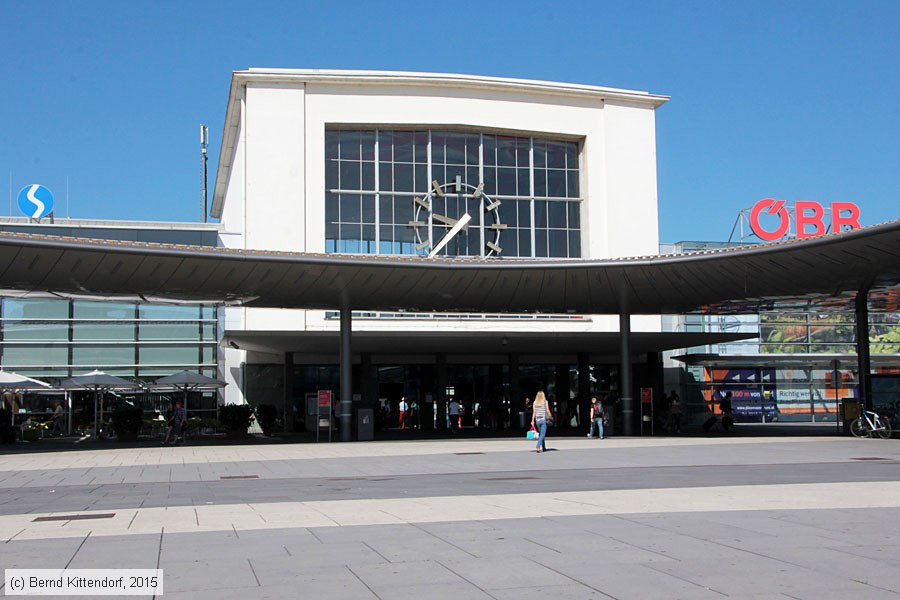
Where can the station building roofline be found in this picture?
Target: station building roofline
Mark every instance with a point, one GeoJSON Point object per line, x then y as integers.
{"type": "Point", "coordinates": [66, 222]}
{"type": "Point", "coordinates": [831, 268]}
{"type": "Point", "coordinates": [537, 88]}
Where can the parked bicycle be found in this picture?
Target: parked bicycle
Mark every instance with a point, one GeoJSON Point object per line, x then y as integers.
{"type": "Point", "coordinates": [871, 424]}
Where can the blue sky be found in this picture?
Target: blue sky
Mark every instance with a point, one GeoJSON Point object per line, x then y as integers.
{"type": "Point", "coordinates": [792, 100]}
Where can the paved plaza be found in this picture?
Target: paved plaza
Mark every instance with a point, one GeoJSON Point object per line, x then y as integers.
{"type": "Point", "coordinates": [625, 518]}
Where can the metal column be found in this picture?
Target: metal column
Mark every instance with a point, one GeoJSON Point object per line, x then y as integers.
{"type": "Point", "coordinates": [625, 372]}
{"type": "Point", "coordinates": [516, 402]}
{"type": "Point", "coordinates": [862, 346]}
{"type": "Point", "coordinates": [441, 391]}
{"type": "Point", "coordinates": [346, 371]}
{"type": "Point", "coordinates": [289, 392]}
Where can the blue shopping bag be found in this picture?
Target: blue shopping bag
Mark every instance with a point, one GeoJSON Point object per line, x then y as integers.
{"type": "Point", "coordinates": [532, 434]}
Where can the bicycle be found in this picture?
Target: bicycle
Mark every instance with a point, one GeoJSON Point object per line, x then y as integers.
{"type": "Point", "coordinates": [870, 424]}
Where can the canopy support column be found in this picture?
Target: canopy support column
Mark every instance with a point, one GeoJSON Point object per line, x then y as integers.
{"type": "Point", "coordinates": [288, 392]}
{"type": "Point", "coordinates": [625, 371]}
{"type": "Point", "coordinates": [864, 362]}
{"type": "Point", "coordinates": [346, 406]}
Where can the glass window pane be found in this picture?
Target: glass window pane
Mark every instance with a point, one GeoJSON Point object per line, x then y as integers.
{"type": "Point", "coordinates": [39, 355]}
{"type": "Point", "coordinates": [103, 355]}
{"type": "Point", "coordinates": [385, 177]}
{"type": "Point", "coordinates": [169, 355]}
{"type": "Point", "coordinates": [556, 183]}
{"type": "Point", "coordinates": [35, 330]}
{"type": "Point", "coordinates": [524, 242]}
{"type": "Point", "coordinates": [540, 154]}
{"type": "Point", "coordinates": [523, 149]}
{"type": "Point", "coordinates": [540, 182]}
{"type": "Point", "coordinates": [506, 151]}
{"type": "Point", "coordinates": [540, 213]}
{"type": "Point", "coordinates": [420, 138]}
{"type": "Point", "coordinates": [385, 145]}
{"type": "Point", "coordinates": [386, 208]}
{"type": "Point", "coordinates": [83, 309]}
{"type": "Point", "coordinates": [557, 214]}
{"type": "Point", "coordinates": [88, 331]}
{"type": "Point", "coordinates": [349, 141]}
{"type": "Point", "coordinates": [403, 210]}
{"type": "Point", "coordinates": [540, 242]}
{"type": "Point", "coordinates": [368, 209]}
{"type": "Point", "coordinates": [556, 155]}
{"type": "Point", "coordinates": [349, 175]}
{"type": "Point", "coordinates": [558, 243]}
{"type": "Point", "coordinates": [489, 150]}
{"type": "Point", "coordinates": [524, 182]}
{"type": "Point", "coordinates": [472, 143]}
{"type": "Point", "coordinates": [524, 213]}
{"type": "Point", "coordinates": [575, 244]}
{"type": "Point", "coordinates": [403, 177]}
{"type": "Point", "coordinates": [506, 182]}
{"type": "Point", "coordinates": [331, 174]}
{"type": "Point", "coordinates": [490, 181]}
{"type": "Point", "coordinates": [331, 145]}
{"type": "Point", "coordinates": [367, 139]}
{"type": "Point", "coordinates": [456, 149]}
{"type": "Point", "coordinates": [572, 155]}
{"type": "Point", "coordinates": [572, 188]}
{"type": "Point", "coordinates": [403, 146]}
{"type": "Point", "coordinates": [437, 147]}
{"type": "Point", "coordinates": [368, 176]}
{"type": "Point", "coordinates": [169, 331]}
{"type": "Point", "coordinates": [350, 209]}
{"type": "Point", "coordinates": [35, 309]}
{"type": "Point", "coordinates": [574, 209]}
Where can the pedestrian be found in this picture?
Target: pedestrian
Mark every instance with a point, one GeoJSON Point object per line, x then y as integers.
{"type": "Point", "coordinates": [402, 408]}
{"type": "Point", "coordinates": [59, 419]}
{"type": "Point", "coordinates": [541, 416]}
{"type": "Point", "coordinates": [597, 416]}
{"type": "Point", "coordinates": [726, 408]}
{"type": "Point", "coordinates": [453, 414]}
{"type": "Point", "coordinates": [675, 411]}
{"type": "Point", "coordinates": [176, 424]}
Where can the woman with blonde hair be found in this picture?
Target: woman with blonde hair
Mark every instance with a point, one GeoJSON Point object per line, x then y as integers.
{"type": "Point", "coordinates": [540, 416]}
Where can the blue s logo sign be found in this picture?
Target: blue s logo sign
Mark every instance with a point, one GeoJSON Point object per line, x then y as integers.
{"type": "Point", "coordinates": [35, 201]}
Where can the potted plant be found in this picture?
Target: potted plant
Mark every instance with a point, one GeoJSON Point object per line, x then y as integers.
{"type": "Point", "coordinates": [127, 422]}
{"type": "Point", "coordinates": [236, 418]}
{"type": "Point", "coordinates": [31, 431]}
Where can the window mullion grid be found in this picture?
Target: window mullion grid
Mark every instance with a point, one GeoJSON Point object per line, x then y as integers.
{"type": "Point", "coordinates": [480, 180]}
{"type": "Point", "coordinates": [430, 179]}
{"type": "Point", "coordinates": [377, 198]}
{"type": "Point", "coordinates": [531, 200]}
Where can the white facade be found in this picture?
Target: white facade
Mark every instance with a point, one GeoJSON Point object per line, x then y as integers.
{"type": "Point", "coordinates": [270, 189]}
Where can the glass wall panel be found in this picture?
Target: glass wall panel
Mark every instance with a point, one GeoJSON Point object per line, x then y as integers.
{"type": "Point", "coordinates": [34, 355]}
{"type": "Point", "coordinates": [392, 167]}
{"type": "Point", "coordinates": [35, 309]}
{"type": "Point", "coordinates": [103, 331]}
{"type": "Point", "coordinates": [35, 330]}
{"type": "Point", "coordinates": [169, 355]}
{"type": "Point", "coordinates": [82, 309]}
{"type": "Point", "coordinates": [102, 355]}
{"type": "Point", "coordinates": [171, 331]}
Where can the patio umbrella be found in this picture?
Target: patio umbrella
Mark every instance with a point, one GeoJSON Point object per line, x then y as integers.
{"type": "Point", "coordinates": [97, 381]}
{"type": "Point", "coordinates": [187, 381]}
{"type": "Point", "coordinates": [15, 382]}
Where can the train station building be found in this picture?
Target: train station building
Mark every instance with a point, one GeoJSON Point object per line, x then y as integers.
{"type": "Point", "coordinates": [428, 236]}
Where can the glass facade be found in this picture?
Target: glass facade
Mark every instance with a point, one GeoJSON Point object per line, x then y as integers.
{"type": "Point", "coordinates": [373, 177]}
{"type": "Point", "coordinates": [58, 338]}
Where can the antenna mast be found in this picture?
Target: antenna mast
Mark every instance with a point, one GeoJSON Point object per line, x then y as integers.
{"type": "Point", "coordinates": [204, 140]}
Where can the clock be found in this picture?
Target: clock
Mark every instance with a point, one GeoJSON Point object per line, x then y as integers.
{"type": "Point", "coordinates": [435, 230]}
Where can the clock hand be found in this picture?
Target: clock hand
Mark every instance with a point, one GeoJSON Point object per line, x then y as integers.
{"type": "Point", "coordinates": [463, 221]}
{"type": "Point", "coordinates": [448, 221]}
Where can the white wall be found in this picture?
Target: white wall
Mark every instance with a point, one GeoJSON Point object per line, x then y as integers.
{"type": "Point", "coordinates": [275, 197]}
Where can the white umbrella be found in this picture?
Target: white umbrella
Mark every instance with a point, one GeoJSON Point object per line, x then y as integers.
{"type": "Point", "coordinates": [97, 381]}
{"type": "Point", "coordinates": [187, 381]}
{"type": "Point", "coordinates": [14, 381]}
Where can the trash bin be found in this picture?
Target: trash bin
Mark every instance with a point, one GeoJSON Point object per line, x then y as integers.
{"type": "Point", "coordinates": [850, 411]}
{"type": "Point", "coordinates": [365, 424]}
{"type": "Point", "coordinates": [521, 419]}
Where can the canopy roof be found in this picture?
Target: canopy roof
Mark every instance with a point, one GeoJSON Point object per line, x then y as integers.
{"type": "Point", "coordinates": [825, 269]}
